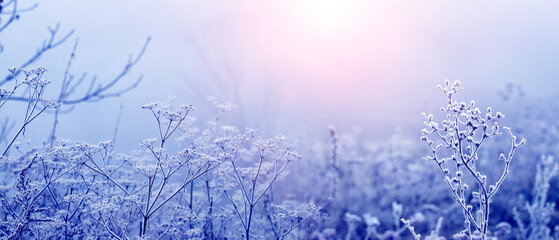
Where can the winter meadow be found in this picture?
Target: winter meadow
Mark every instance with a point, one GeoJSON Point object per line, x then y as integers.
{"type": "Point", "coordinates": [296, 119]}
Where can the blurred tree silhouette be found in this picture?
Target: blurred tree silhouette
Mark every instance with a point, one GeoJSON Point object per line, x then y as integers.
{"type": "Point", "coordinates": [73, 89]}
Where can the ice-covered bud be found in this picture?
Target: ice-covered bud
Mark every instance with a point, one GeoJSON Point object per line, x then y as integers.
{"type": "Point", "coordinates": [290, 155]}
{"type": "Point", "coordinates": [5, 92]}
{"type": "Point", "coordinates": [27, 72]}
{"type": "Point", "coordinates": [459, 173]}
{"type": "Point", "coordinates": [495, 127]}
{"type": "Point", "coordinates": [50, 104]}
{"type": "Point", "coordinates": [456, 84]}
{"type": "Point", "coordinates": [250, 132]}
{"type": "Point", "coordinates": [148, 142]}
{"type": "Point", "coordinates": [397, 208]}
{"type": "Point", "coordinates": [39, 70]}
{"type": "Point", "coordinates": [352, 218]}
{"type": "Point", "coordinates": [460, 236]}
{"type": "Point", "coordinates": [29, 80]}
{"type": "Point", "coordinates": [504, 228]}
{"type": "Point", "coordinates": [371, 220]}
{"type": "Point", "coordinates": [502, 157]}
{"type": "Point", "coordinates": [417, 217]}
{"type": "Point", "coordinates": [150, 105]}
{"type": "Point", "coordinates": [475, 194]}
{"type": "Point", "coordinates": [72, 198]}
{"type": "Point", "coordinates": [172, 116]}
{"type": "Point", "coordinates": [187, 107]}
{"type": "Point", "coordinates": [43, 82]}
{"type": "Point", "coordinates": [106, 144]}
{"type": "Point", "coordinates": [332, 128]}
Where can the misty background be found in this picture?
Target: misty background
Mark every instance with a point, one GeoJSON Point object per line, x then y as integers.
{"type": "Point", "coordinates": [295, 66]}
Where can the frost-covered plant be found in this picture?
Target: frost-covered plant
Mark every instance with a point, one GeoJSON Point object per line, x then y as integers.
{"type": "Point", "coordinates": [91, 198]}
{"type": "Point", "coordinates": [33, 86]}
{"type": "Point", "coordinates": [435, 233]}
{"type": "Point", "coordinates": [347, 161]}
{"type": "Point", "coordinates": [352, 223]}
{"type": "Point", "coordinates": [539, 210]}
{"type": "Point", "coordinates": [455, 143]}
{"type": "Point", "coordinates": [250, 172]}
{"type": "Point", "coordinates": [163, 166]}
{"type": "Point", "coordinates": [285, 217]}
{"type": "Point", "coordinates": [397, 228]}
{"type": "Point", "coordinates": [36, 206]}
{"type": "Point", "coordinates": [205, 198]}
{"type": "Point", "coordinates": [127, 195]}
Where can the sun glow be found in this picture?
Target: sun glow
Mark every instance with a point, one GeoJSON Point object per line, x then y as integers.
{"type": "Point", "coordinates": [325, 14]}
{"type": "Point", "coordinates": [328, 16]}
{"type": "Point", "coordinates": [329, 47]}
{"type": "Point", "coordinates": [330, 52]}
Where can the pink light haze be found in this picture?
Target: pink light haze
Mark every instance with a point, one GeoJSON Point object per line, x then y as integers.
{"type": "Point", "coordinates": [353, 59]}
